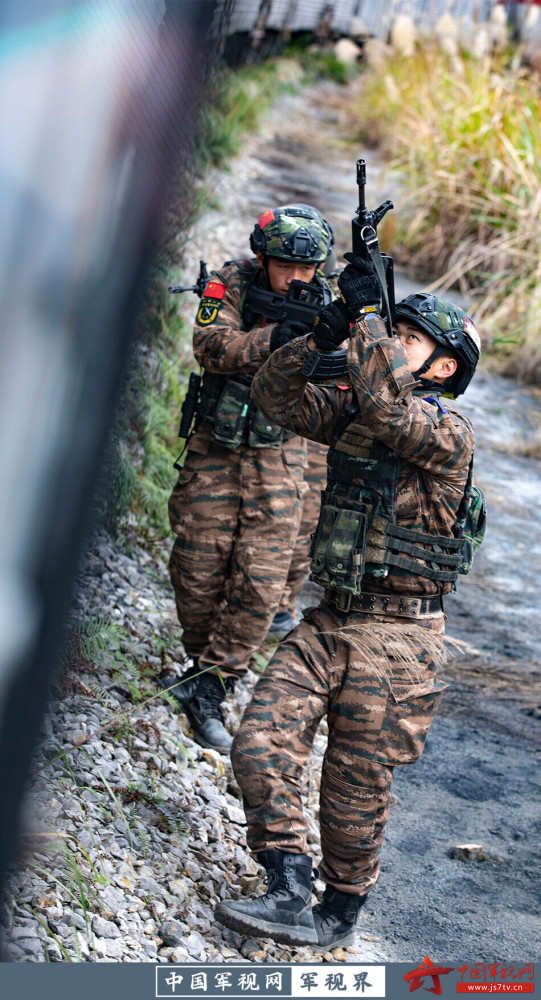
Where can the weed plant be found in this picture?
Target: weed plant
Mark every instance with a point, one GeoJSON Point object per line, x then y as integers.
{"type": "Point", "coordinates": [464, 137]}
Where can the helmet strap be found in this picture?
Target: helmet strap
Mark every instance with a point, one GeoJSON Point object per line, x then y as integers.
{"type": "Point", "coordinates": [438, 350]}
{"type": "Point", "coordinates": [265, 268]}
{"type": "Point", "coordinates": [430, 386]}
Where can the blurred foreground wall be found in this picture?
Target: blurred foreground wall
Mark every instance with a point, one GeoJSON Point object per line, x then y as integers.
{"type": "Point", "coordinates": [99, 99]}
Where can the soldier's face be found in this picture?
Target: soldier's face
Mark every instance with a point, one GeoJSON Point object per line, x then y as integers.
{"type": "Point", "coordinates": [418, 346]}
{"type": "Point", "coordinates": [281, 273]}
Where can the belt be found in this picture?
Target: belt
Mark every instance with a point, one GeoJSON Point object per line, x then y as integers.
{"type": "Point", "coordinates": [385, 604]}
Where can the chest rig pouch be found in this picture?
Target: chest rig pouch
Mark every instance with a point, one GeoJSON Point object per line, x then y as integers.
{"type": "Point", "coordinates": [231, 414]}
{"type": "Point", "coordinates": [225, 400]}
{"type": "Point", "coordinates": [339, 544]}
{"type": "Point", "coordinates": [357, 532]}
{"type": "Point", "coordinates": [471, 522]}
{"type": "Point", "coordinates": [349, 540]}
{"type": "Point", "coordinates": [264, 434]}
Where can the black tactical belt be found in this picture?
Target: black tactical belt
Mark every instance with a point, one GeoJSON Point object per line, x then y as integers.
{"type": "Point", "coordinates": [385, 604]}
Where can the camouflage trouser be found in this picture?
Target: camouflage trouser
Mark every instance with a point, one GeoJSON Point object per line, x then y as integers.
{"type": "Point", "coordinates": [316, 477]}
{"type": "Point", "coordinates": [377, 717]}
{"type": "Point", "coordinates": [236, 516]}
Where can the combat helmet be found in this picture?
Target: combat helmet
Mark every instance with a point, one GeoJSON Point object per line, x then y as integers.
{"type": "Point", "coordinates": [451, 328]}
{"type": "Point", "coordinates": [293, 233]}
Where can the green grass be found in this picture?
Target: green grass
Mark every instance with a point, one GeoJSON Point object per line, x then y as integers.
{"type": "Point", "coordinates": [464, 139]}
{"type": "Point", "coordinates": [318, 65]}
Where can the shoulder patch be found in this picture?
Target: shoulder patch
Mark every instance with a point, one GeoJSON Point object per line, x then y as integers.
{"type": "Point", "coordinates": [211, 303]}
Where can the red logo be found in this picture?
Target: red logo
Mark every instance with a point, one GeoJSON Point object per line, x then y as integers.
{"type": "Point", "coordinates": [427, 968]}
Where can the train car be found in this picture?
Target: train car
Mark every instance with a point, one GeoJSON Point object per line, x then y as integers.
{"type": "Point", "coordinates": [253, 30]}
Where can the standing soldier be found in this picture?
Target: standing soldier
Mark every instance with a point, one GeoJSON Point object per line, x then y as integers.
{"type": "Point", "coordinates": [389, 545]}
{"type": "Point", "coordinates": [236, 507]}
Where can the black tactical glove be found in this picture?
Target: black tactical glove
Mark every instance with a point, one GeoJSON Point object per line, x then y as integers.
{"type": "Point", "coordinates": [331, 326]}
{"type": "Point", "coordinates": [285, 332]}
{"type": "Point", "coordinates": [360, 286]}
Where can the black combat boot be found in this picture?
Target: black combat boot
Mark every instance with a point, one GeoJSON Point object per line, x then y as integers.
{"type": "Point", "coordinates": [284, 912]}
{"type": "Point", "coordinates": [201, 697]}
{"type": "Point", "coordinates": [281, 624]}
{"type": "Point", "coordinates": [335, 919]}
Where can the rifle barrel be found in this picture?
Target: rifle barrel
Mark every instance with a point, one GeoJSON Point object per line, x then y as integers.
{"type": "Point", "coordinates": [361, 182]}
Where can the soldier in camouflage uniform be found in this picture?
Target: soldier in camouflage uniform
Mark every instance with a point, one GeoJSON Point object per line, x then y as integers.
{"type": "Point", "coordinates": [315, 477]}
{"type": "Point", "coordinates": [388, 547]}
{"type": "Point", "coordinates": [236, 507]}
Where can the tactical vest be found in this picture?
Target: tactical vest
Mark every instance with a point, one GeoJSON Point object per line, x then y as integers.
{"type": "Point", "coordinates": [225, 400]}
{"type": "Point", "coordinates": [357, 533]}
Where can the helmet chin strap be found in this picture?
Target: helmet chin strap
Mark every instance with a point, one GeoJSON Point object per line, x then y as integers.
{"type": "Point", "coordinates": [438, 350]}
{"type": "Point", "coordinates": [266, 269]}
{"type": "Point", "coordinates": [430, 386]}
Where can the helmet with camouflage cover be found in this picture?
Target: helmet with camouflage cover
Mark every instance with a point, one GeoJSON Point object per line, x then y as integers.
{"type": "Point", "coordinates": [453, 331]}
{"type": "Point", "coordinates": [293, 233]}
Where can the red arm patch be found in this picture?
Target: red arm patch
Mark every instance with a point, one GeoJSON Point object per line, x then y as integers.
{"type": "Point", "coordinates": [214, 290]}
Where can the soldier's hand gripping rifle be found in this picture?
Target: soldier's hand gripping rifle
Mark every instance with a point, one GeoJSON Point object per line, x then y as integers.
{"type": "Point", "coordinates": [365, 247]}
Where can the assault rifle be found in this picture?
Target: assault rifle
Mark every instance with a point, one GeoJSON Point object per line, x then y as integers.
{"type": "Point", "coordinates": [200, 284]}
{"type": "Point", "coordinates": [364, 241]}
{"type": "Point", "coordinates": [301, 304]}
{"type": "Point", "coordinates": [189, 405]}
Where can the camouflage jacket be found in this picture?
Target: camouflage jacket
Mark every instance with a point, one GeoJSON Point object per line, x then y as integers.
{"type": "Point", "coordinates": [223, 343]}
{"type": "Point", "coordinates": [435, 445]}
{"type": "Point", "coordinates": [230, 342]}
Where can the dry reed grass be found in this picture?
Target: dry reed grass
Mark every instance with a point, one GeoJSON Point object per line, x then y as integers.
{"type": "Point", "coordinates": [464, 137]}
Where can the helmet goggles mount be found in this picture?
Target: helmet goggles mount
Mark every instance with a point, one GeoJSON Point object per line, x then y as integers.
{"type": "Point", "coordinates": [453, 331]}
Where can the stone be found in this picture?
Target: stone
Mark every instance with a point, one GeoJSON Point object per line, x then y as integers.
{"type": "Point", "coordinates": [179, 954]}
{"type": "Point", "coordinates": [195, 945]}
{"type": "Point", "coordinates": [249, 948]}
{"type": "Point", "coordinates": [114, 949]}
{"type": "Point", "coordinates": [104, 928]}
{"type": "Point", "coordinates": [30, 945]}
{"type": "Point", "coordinates": [150, 886]}
{"type": "Point", "coordinates": [235, 815]}
{"type": "Point", "coordinates": [150, 947]}
{"type": "Point", "coordinates": [171, 933]}
{"type": "Point", "coordinates": [468, 852]}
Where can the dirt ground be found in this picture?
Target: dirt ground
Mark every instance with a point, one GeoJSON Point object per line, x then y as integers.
{"type": "Point", "coordinates": [477, 781]}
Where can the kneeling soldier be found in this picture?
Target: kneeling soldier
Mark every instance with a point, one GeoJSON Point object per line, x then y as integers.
{"type": "Point", "coordinates": [388, 547]}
